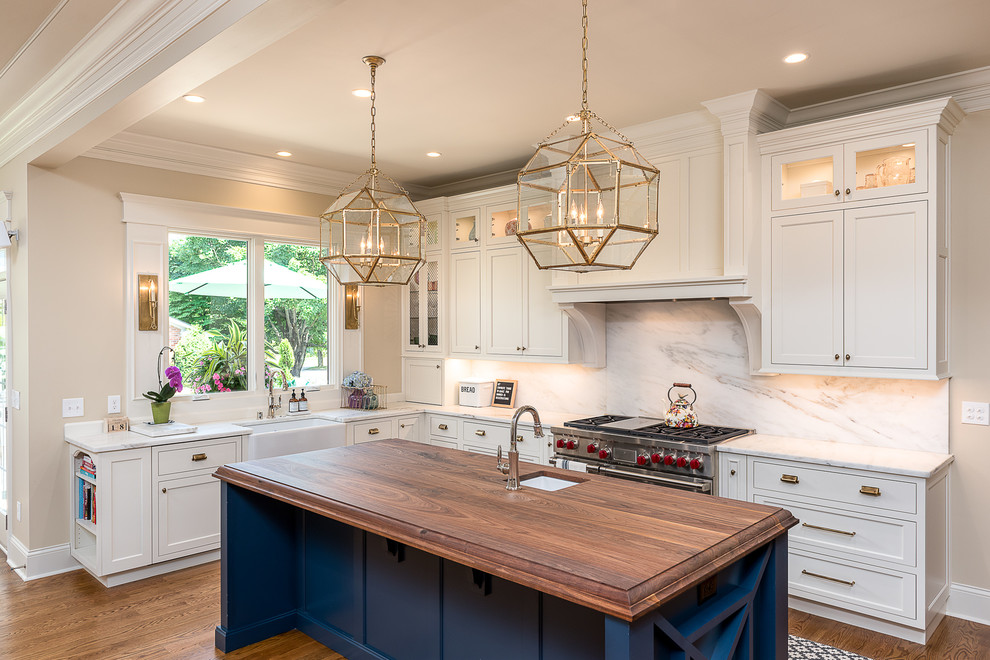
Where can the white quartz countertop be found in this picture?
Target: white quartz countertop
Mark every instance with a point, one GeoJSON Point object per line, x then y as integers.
{"type": "Point", "coordinates": [96, 442]}
{"type": "Point", "coordinates": [840, 454]}
{"type": "Point", "coordinates": [491, 414]}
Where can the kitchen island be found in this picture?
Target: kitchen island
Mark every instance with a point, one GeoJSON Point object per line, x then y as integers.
{"type": "Point", "coordinates": [398, 549]}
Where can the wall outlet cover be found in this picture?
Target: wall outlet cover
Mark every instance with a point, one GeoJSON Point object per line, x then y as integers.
{"type": "Point", "coordinates": [113, 404]}
{"type": "Point", "coordinates": [974, 412]}
{"type": "Point", "coordinates": [72, 407]}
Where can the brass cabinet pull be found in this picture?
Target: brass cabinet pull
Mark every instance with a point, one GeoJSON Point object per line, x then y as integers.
{"type": "Point", "coordinates": [442, 427]}
{"type": "Point", "coordinates": [828, 529]}
{"type": "Point", "coordinates": [519, 438]}
{"type": "Point", "coordinates": [199, 457]}
{"type": "Point", "coordinates": [848, 583]}
{"type": "Point", "coordinates": [789, 478]}
{"type": "Point", "coordinates": [479, 432]}
{"type": "Point", "coordinates": [373, 431]}
{"type": "Point", "coordinates": [873, 491]}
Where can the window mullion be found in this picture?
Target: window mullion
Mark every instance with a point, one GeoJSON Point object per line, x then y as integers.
{"type": "Point", "coordinates": [256, 312]}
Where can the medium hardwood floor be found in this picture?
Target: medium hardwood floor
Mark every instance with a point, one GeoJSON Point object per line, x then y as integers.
{"type": "Point", "coordinates": [173, 616]}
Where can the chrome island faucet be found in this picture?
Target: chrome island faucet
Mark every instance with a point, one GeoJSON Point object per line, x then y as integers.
{"type": "Point", "coordinates": [511, 467]}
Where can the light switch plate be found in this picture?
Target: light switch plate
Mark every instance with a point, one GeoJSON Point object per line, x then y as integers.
{"type": "Point", "coordinates": [72, 407]}
{"type": "Point", "coordinates": [976, 413]}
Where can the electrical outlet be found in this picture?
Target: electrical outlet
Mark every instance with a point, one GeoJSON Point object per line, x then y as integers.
{"type": "Point", "coordinates": [72, 407]}
{"type": "Point", "coordinates": [976, 413]}
{"type": "Point", "coordinates": [113, 404]}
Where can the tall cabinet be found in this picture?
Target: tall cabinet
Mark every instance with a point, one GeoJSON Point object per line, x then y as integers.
{"type": "Point", "coordinates": [856, 244]}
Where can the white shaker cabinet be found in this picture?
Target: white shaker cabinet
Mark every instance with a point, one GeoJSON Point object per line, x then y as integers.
{"type": "Point", "coordinates": [850, 288]}
{"type": "Point", "coordinates": [856, 249]}
{"type": "Point", "coordinates": [465, 302]}
{"type": "Point", "coordinates": [522, 318]}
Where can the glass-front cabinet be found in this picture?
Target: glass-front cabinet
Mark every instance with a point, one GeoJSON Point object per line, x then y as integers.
{"type": "Point", "coordinates": [464, 227]}
{"type": "Point", "coordinates": [423, 330]}
{"type": "Point", "coordinates": [885, 166]}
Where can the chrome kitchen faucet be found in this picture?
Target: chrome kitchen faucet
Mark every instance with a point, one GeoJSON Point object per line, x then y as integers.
{"type": "Point", "coordinates": [511, 467]}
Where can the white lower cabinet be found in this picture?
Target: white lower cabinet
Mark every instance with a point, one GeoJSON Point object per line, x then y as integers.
{"type": "Point", "coordinates": [871, 548]}
{"type": "Point", "coordinates": [485, 436]}
{"type": "Point", "coordinates": [376, 429]}
{"type": "Point", "coordinates": [410, 428]}
{"type": "Point", "coordinates": [147, 507]}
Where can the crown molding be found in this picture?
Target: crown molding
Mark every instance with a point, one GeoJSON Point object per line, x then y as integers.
{"type": "Point", "coordinates": [128, 37]}
{"type": "Point", "coordinates": [749, 112]}
{"type": "Point", "coordinates": [34, 36]}
{"type": "Point", "coordinates": [970, 89]}
{"type": "Point", "coordinates": [166, 154]}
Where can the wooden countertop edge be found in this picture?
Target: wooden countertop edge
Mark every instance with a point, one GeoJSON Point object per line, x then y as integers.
{"type": "Point", "coordinates": [622, 604]}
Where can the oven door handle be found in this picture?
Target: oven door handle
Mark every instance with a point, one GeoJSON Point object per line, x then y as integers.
{"type": "Point", "coordinates": [705, 487]}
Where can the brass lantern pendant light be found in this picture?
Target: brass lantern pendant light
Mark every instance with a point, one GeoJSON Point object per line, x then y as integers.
{"type": "Point", "coordinates": [372, 233]}
{"type": "Point", "coordinates": [591, 200]}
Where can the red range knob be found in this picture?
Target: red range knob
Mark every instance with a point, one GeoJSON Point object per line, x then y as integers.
{"type": "Point", "coordinates": [592, 449]}
{"type": "Point", "coordinates": [682, 461]}
{"type": "Point", "coordinates": [604, 452]}
{"type": "Point", "coordinates": [560, 444]}
{"type": "Point", "coordinates": [642, 459]}
{"type": "Point", "coordinates": [656, 458]}
{"type": "Point", "coordinates": [696, 464]}
{"type": "Point", "coordinates": [571, 444]}
{"type": "Point", "coordinates": [668, 459]}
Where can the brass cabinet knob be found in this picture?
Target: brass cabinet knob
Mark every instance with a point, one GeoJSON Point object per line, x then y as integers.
{"type": "Point", "coordinates": [847, 356]}
{"type": "Point", "coordinates": [402, 426]}
{"type": "Point", "coordinates": [732, 472]}
{"type": "Point", "coordinates": [519, 438]}
{"type": "Point", "coordinates": [848, 192]}
{"type": "Point", "coordinates": [518, 348]}
{"type": "Point", "coordinates": [476, 347]}
{"type": "Point", "coordinates": [836, 356]}
{"type": "Point", "coordinates": [163, 490]}
{"type": "Point", "coordinates": [837, 192]}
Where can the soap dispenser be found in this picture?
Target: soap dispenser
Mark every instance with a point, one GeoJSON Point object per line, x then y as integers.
{"type": "Point", "coordinates": [303, 401]}
{"type": "Point", "coordinates": [293, 403]}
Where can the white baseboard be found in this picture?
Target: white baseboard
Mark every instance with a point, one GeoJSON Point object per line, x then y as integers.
{"type": "Point", "coordinates": [34, 564]}
{"type": "Point", "coordinates": [970, 603]}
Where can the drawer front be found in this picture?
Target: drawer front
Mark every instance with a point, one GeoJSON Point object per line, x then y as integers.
{"type": "Point", "coordinates": [835, 486]}
{"type": "Point", "coordinates": [526, 458]}
{"type": "Point", "coordinates": [887, 594]}
{"type": "Point", "coordinates": [197, 456]}
{"type": "Point", "coordinates": [443, 442]}
{"type": "Point", "coordinates": [483, 433]}
{"type": "Point", "coordinates": [376, 430]}
{"type": "Point", "coordinates": [443, 426]}
{"type": "Point", "coordinates": [861, 535]}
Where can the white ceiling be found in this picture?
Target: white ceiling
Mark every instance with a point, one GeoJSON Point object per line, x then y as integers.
{"type": "Point", "coordinates": [482, 82]}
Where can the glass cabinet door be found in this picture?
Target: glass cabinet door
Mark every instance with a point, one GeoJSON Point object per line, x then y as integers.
{"type": "Point", "coordinates": [886, 166]}
{"type": "Point", "coordinates": [431, 270]}
{"type": "Point", "coordinates": [413, 340]}
{"type": "Point", "coordinates": [464, 225]}
{"type": "Point", "coordinates": [431, 237]}
{"type": "Point", "coordinates": [806, 178]}
{"type": "Point", "coordinates": [504, 223]}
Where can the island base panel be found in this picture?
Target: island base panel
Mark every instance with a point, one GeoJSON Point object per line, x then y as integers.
{"type": "Point", "coordinates": [366, 596]}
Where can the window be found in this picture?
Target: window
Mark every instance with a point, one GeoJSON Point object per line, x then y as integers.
{"type": "Point", "coordinates": [296, 339]}
{"type": "Point", "coordinates": [207, 308]}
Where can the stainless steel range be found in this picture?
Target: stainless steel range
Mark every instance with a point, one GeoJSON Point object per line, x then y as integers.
{"type": "Point", "coordinates": [643, 449]}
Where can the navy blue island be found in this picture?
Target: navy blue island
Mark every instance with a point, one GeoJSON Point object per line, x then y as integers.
{"type": "Point", "coordinates": [395, 549]}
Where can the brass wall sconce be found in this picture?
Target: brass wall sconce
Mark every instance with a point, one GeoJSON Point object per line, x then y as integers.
{"type": "Point", "coordinates": [352, 306]}
{"type": "Point", "coordinates": [147, 302]}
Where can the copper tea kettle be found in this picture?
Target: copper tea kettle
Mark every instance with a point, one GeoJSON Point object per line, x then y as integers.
{"type": "Point", "coordinates": [681, 412]}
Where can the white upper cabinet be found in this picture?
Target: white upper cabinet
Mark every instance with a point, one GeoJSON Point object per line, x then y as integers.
{"type": "Point", "coordinates": [465, 302]}
{"type": "Point", "coordinates": [856, 253]}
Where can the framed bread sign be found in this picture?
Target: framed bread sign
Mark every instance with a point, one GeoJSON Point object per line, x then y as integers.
{"type": "Point", "coordinates": [505, 394]}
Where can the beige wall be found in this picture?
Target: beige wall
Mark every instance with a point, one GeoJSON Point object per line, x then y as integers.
{"type": "Point", "coordinates": [73, 330]}
{"type": "Point", "coordinates": [970, 346]}
{"type": "Point", "coordinates": [381, 308]}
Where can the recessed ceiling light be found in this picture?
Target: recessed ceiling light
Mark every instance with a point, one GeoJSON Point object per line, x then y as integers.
{"type": "Point", "coordinates": [794, 58]}
{"type": "Point", "coordinates": [362, 93]}
{"type": "Point", "coordinates": [193, 98]}
{"type": "Point", "coordinates": [283, 154]}
{"type": "Point", "coordinates": [433, 154]}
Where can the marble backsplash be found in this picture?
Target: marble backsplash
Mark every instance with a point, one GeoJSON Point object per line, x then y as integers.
{"type": "Point", "coordinates": [651, 345]}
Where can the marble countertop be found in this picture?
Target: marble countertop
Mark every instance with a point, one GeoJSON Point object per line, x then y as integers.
{"type": "Point", "coordinates": [491, 414]}
{"type": "Point", "coordinates": [84, 437]}
{"type": "Point", "coordinates": [839, 454]}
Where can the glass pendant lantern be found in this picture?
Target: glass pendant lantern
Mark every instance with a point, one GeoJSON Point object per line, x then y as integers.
{"type": "Point", "coordinates": [598, 197]}
{"type": "Point", "coordinates": [372, 233]}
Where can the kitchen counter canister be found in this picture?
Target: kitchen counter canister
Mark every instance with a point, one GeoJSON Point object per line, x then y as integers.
{"type": "Point", "coordinates": [360, 542]}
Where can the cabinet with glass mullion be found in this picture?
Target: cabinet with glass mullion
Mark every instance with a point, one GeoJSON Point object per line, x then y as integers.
{"type": "Point", "coordinates": [423, 304]}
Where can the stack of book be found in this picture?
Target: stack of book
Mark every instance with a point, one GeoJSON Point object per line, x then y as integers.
{"type": "Point", "coordinates": [87, 467]}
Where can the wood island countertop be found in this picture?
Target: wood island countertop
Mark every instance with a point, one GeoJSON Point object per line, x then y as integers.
{"type": "Point", "coordinates": [615, 546]}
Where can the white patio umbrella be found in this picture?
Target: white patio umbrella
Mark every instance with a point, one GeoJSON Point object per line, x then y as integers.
{"type": "Point", "coordinates": [230, 281]}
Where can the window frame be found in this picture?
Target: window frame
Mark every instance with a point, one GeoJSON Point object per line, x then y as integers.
{"type": "Point", "coordinates": [150, 221]}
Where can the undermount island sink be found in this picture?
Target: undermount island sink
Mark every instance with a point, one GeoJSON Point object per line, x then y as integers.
{"type": "Point", "coordinates": [281, 437]}
{"type": "Point", "coordinates": [543, 481]}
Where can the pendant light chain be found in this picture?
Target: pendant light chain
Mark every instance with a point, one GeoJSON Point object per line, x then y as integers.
{"type": "Point", "coordinates": [374, 67]}
{"type": "Point", "coordinates": [584, 57]}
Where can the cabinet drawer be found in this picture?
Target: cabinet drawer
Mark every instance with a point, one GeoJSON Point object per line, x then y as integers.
{"type": "Point", "coordinates": [861, 535]}
{"type": "Point", "coordinates": [196, 456]}
{"type": "Point", "coordinates": [481, 433]}
{"type": "Point", "coordinates": [834, 486]}
{"type": "Point", "coordinates": [374, 430]}
{"type": "Point", "coordinates": [866, 590]}
{"type": "Point", "coordinates": [490, 451]}
{"type": "Point", "coordinates": [443, 442]}
{"type": "Point", "coordinates": [444, 427]}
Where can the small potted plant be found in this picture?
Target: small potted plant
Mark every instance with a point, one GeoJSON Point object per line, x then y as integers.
{"type": "Point", "coordinates": [161, 407]}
